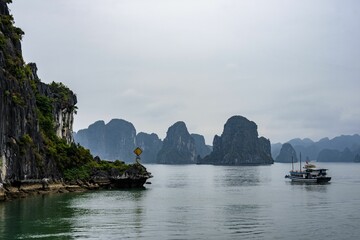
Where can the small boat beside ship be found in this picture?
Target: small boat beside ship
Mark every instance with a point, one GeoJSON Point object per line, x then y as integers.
{"type": "Point", "coordinates": [309, 174]}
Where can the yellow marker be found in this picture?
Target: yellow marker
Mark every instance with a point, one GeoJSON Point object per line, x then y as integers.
{"type": "Point", "coordinates": [138, 151]}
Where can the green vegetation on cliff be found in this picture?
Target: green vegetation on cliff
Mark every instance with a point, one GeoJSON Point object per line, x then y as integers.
{"type": "Point", "coordinates": [73, 160]}
{"type": "Point", "coordinates": [35, 140]}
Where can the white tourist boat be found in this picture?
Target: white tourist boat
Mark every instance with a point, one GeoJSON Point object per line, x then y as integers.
{"type": "Point", "coordinates": [309, 174]}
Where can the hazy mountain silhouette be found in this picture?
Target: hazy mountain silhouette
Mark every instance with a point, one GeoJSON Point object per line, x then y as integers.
{"type": "Point", "coordinates": [343, 148]}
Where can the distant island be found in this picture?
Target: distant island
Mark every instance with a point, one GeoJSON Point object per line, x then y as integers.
{"type": "Point", "coordinates": [344, 148]}
{"type": "Point", "coordinates": [287, 154]}
{"type": "Point", "coordinates": [118, 138]}
{"type": "Point", "coordinates": [238, 145]}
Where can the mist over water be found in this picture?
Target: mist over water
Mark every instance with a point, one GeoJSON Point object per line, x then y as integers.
{"type": "Point", "coordinates": [197, 202]}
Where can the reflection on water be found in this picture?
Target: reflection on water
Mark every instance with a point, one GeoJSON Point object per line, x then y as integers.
{"type": "Point", "coordinates": [113, 213]}
{"type": "Point", "coordinates": [197, 202]}
{"type": "Point", "coordinates": [36, 217]}
{"type": "Point", "coordinates": [316, 187]}
{"type": "Point", "coordinates": [237, 176]}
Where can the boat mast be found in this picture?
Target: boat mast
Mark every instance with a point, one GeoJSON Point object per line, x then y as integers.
{"type": "Point", "coordinates": [300, 161]}
{"type": "Point", "coordinates": [292, 163]}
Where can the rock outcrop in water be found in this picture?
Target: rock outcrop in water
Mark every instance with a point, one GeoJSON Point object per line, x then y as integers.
{"type": "Point", "coordinates": [150, 144]}
{"type": "Point", "coordinates": [117, 140]}
{"type": "Point", "coordinates": [287, 153]}
{"type": "Point", "coordinates": [114, 140]}
{"type": "Point", "coordinates": [120, 142]}
{"type": "Point", "coordinates": [93, 138]}
{"type": "Point", "coordinates": [178, 146]}
{"type": "Point", "coordinates": [134, 176]}
{"type": "Point", "coordinates": [202, 149]}
{"type": "Point", "coordinates": [239, 144]}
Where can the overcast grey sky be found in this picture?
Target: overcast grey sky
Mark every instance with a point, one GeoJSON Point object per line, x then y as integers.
{"type": "Point", "coordinates": [292, 67]}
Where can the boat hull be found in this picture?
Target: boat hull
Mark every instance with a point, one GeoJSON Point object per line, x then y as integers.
{"type": "Point", "coordinates": [311, 180]}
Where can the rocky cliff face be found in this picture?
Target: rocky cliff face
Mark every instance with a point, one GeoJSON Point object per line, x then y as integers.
{"type": "Point", "coordinates": [93, 138]}
{"type": "Point", "coordinates": [287, 152]}
{"type": "Point", "coordinates": [28, 109]}
{"type": "Point", "coordinates": [120, 140]}
{"type": "Point", "coordinates": [201, 148]}
{"type": "Point", "coordinates": [97, 139]}
{"type": "Point", "coordinates": [37, 153]}
{"type": "Point", "coordinates": [239, 144]}
{"type": "Point", "coordinates": [178, 146]}
{"type": "Point", "coordinates": [117, 140]}
{"type": "Point", "coordinates": [63, 104]}
{"type": "Point", "coordinates": [150, 144]}
{"type": "Point", "coordinates": [114, 140]}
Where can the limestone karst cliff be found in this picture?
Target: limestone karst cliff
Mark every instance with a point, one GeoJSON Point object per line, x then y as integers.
{"type": "Point", "coordinates": [29, 109]}
{"type": "Point", "coordinates": [114, 140]}
{"type": "Point", "coordinates": [119, 142]}
{"type": "Point", "coordinates": [178, 146]}
{"type": "Point", "coordinates": [93, 138]}
{"type": "Point", "coordinates": [202, 149]}
{"type": "Point", "coordinates": [36, 140]}
{"type": "Point", "coordinates": [150, 144]}
{"type": "Point", "coordinates": [287, 154]}
{"type": "Point", "coordinates": [239, 144]}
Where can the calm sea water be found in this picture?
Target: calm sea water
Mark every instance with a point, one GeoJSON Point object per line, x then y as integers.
{"type": "Point", "coordinates": [197, 202]}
